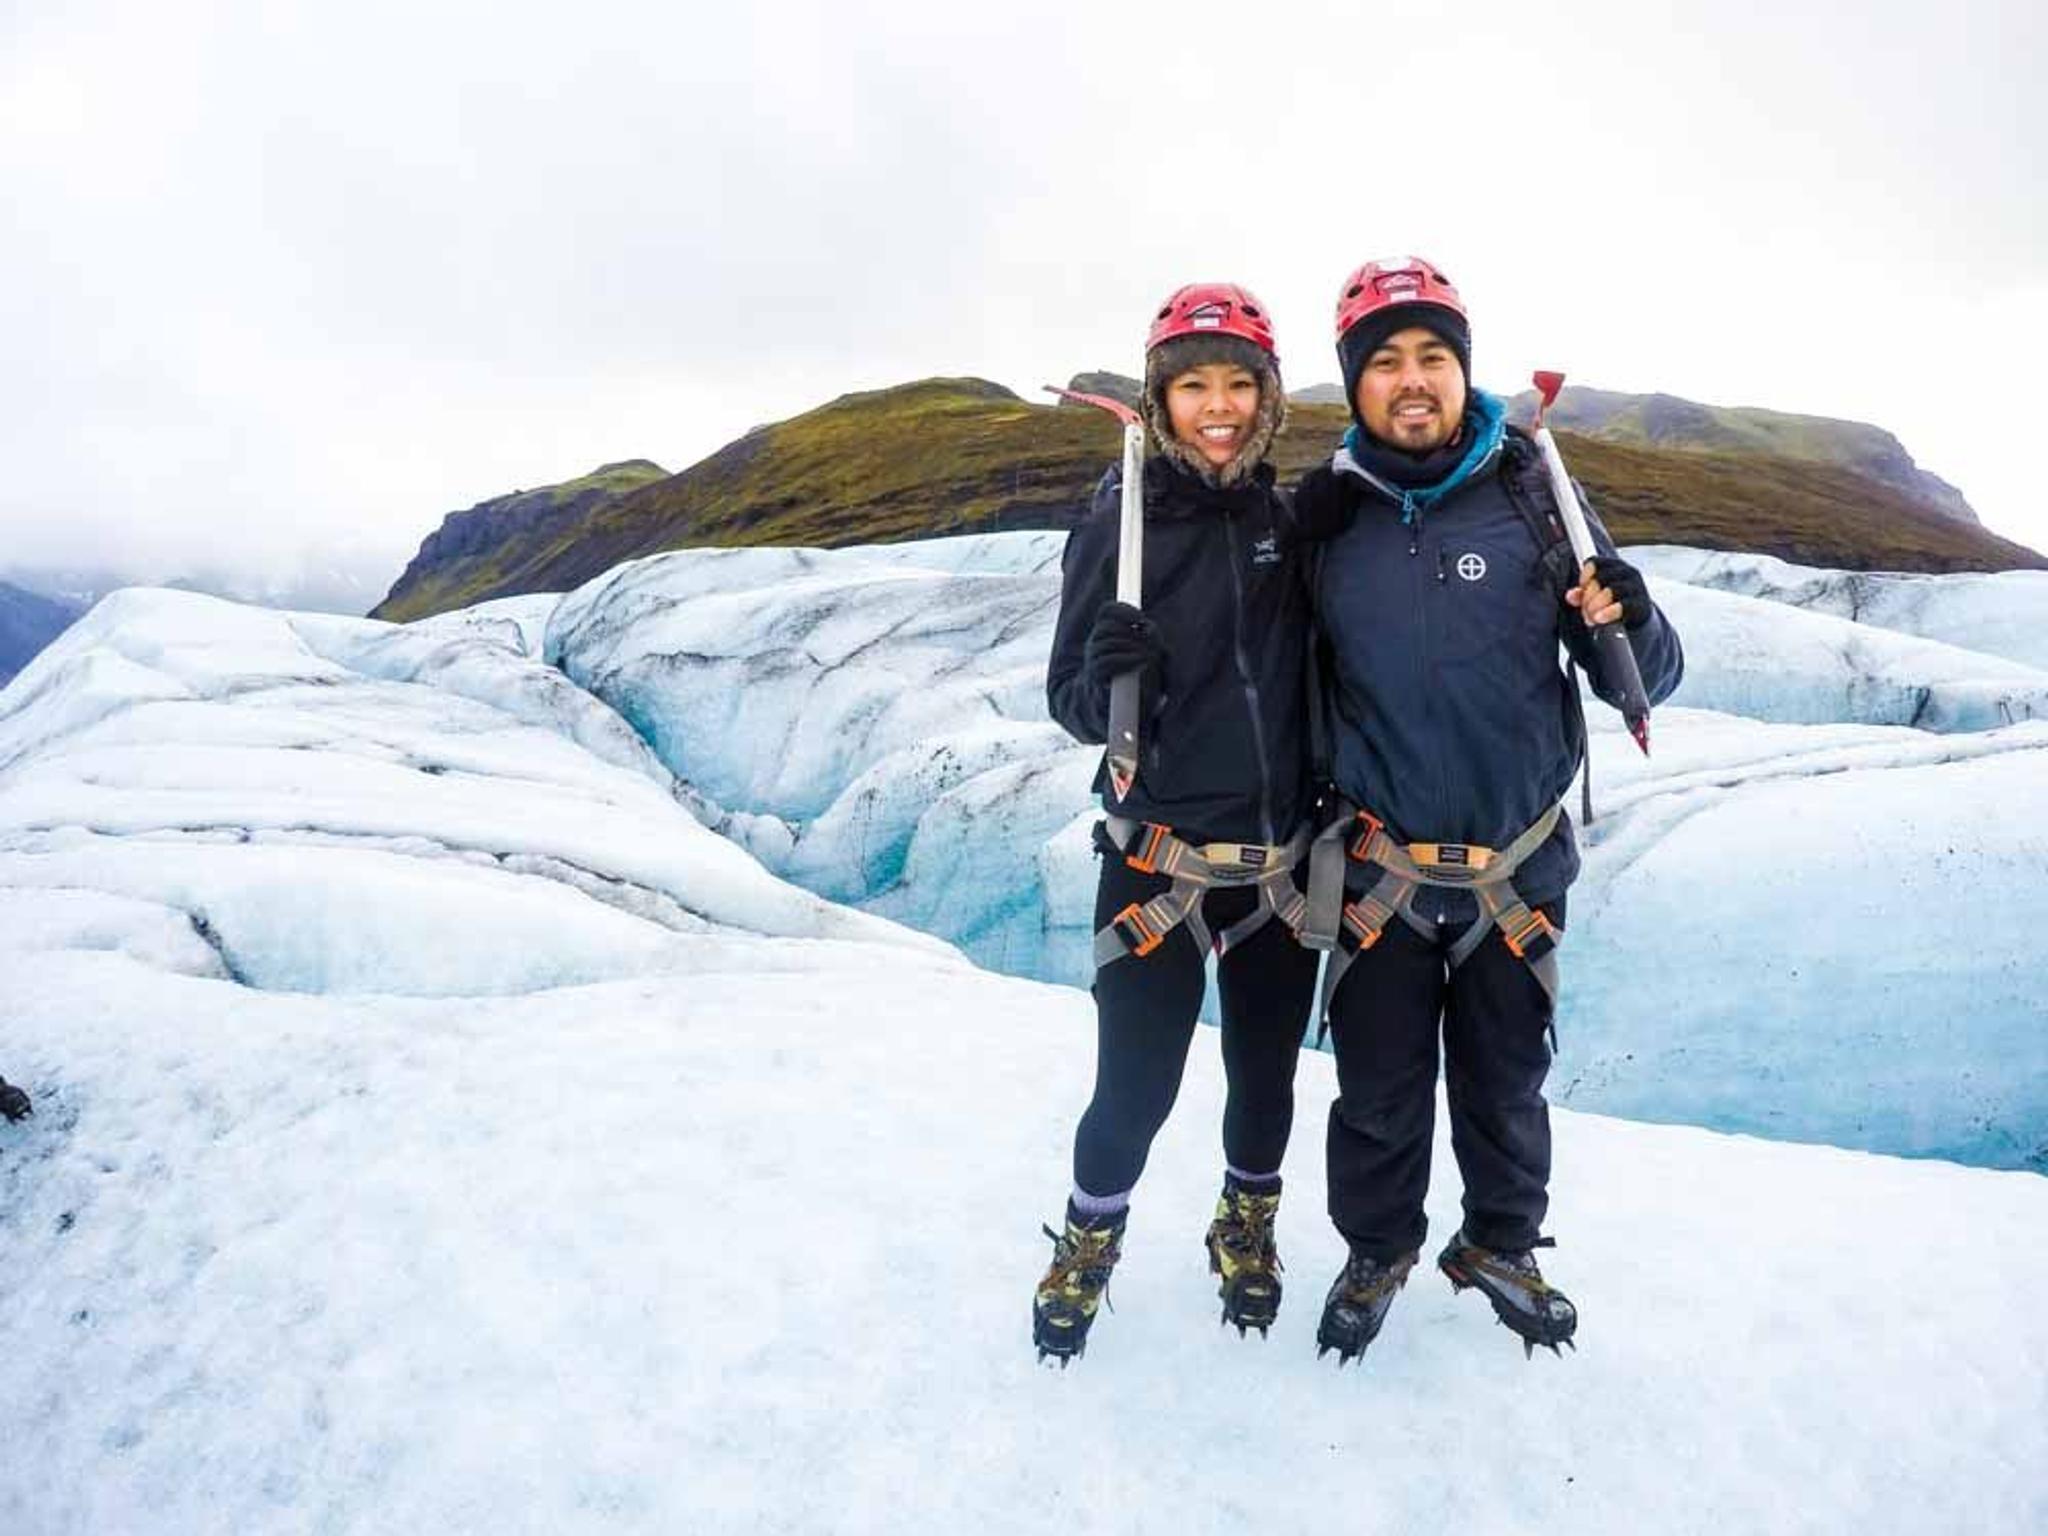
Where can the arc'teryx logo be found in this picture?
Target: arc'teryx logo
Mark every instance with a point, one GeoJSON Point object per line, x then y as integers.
{"type": "Point", "coordinates": [1472, 567]}
{"type": "Point", "coordinates": [1267, 550]}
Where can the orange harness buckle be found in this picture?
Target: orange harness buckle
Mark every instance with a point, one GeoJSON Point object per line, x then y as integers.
{"type": "Point", "coordinates": [1146, 861]}
{"type": "Point", "coordinates": [1139, 937]}
{"type": "Point", "coordinates": [1360, 928]}
{"type": "Point", "coordinates": [1372, 827]}
{"type": "Point", "coordinates": [1537, 934]}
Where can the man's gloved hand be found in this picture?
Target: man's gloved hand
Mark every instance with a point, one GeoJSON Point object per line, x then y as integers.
{"type": "Point", "coordinates": [1123, 640]}
{"type": "Point", "coordinates": [1324, 503]}
{"type": "Point", "coordinates": [13, 1102]}
{"type": "Point", "coordinates": [1610, 588]}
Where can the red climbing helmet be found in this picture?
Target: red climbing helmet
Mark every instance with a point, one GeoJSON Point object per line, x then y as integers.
{"type": "Point", "coordinates": [1382, 284]}
{"type": "Point", "coordinates": [1213, 309]}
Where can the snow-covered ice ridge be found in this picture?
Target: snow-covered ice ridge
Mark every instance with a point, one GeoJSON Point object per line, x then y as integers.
{"type": "Point", "coordinates": [280, 798]}
{"type": "Point", "coordinates": [439, 1129]}
{"type": "Point", "coordinates": [1807, 915]}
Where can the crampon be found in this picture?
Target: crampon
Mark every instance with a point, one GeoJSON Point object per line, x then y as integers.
{"type": "Point", "coordinates": [1528, 1305]}
{"type": "Point", "coordinates": [1357, 1304]}
{"type": "Point", "coordinates": [1242, 1255]}
{"type": "Point", "coordinates": [1077, 1283]}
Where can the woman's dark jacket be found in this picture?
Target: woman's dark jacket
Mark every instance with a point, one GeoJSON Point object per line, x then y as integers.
{"type": "Point", "coordinates": [1222, 745]}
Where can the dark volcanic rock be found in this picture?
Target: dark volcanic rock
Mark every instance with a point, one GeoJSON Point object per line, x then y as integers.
{"type": "Point", "coordinates": [1115, 386]}
{"type": "Point", "coordinates": [28, 622]}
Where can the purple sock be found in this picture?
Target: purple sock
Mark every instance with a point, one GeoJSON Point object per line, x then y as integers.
{"type": "Point", "coordinates": [1097, 1206]}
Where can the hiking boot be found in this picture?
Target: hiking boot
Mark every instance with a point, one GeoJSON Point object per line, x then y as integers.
{"type": "Point", "coordinates": [1076, 1284]}
{"type": "Point", "coordinates": [1358, 1303]}
{"type": "Point", "coordinates": [1523, 1300]}
{"type": "Point", "coordinates": [1241, 1253]}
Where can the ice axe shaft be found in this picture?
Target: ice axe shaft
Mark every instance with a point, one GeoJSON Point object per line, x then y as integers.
{"type": "Point", "coordinates": [1610, 641]}
{"type": "Point", "coordinates": [1122, 750]}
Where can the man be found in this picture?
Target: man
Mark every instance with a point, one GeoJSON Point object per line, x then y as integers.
{"type": "Point", "coordinates": [1455, 734]}
{"type": "Point", "coordinates": [14, 1103]}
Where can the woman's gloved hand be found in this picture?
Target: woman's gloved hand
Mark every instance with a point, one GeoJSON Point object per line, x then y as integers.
{"type": "Point", "coordinates": [1123, 640]}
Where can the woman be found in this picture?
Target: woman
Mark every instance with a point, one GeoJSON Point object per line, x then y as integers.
{"type": "Point", "coordinates": [1203, 843]}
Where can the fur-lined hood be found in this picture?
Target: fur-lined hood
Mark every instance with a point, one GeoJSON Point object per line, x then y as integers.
{"type": "Point", "coordinates": [1171, 359]}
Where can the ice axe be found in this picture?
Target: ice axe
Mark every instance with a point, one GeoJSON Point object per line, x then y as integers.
{"type": "Point", "coordinates": [1610, 641]}
{"type": "Point", "coordinates": [1122, 750]}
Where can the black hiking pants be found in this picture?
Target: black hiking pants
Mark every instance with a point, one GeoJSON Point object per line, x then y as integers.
{"type": "Point", "coordinates": [1145, 1014]}
{"type": "Point", "coordinates": [1384, 1024]}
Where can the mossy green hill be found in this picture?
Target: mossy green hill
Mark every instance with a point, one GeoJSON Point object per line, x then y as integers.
{"type": "Point", "coordinates": [951, 456]}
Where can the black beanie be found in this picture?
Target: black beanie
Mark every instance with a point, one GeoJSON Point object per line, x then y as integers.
{"type": "Point", "coordinates": [1359, 343]}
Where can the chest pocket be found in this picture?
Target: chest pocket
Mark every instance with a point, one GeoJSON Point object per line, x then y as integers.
{"type": "Point", "coordinates": [1492, 596]}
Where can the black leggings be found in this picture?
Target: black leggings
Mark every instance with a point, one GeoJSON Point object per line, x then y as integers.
{"type": "Point", "coordinates": [1145, 1013]}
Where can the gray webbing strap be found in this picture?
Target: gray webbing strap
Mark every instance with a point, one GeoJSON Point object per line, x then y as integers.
{"type": "Point", "coordinates": [1365, 917]}
{"type": "Point", "coordinates": [1325, 906]}
{"type": "Point", "coordinates": [1151, 923]}
{"type": "Point", "coordinates": [1502, 908]}
{"type": "Point", "coordinates": [1277, 899]}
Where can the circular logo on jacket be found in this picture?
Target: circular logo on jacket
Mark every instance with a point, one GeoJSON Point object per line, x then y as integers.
{"type": "Point", "coordinates": [1472, 566]}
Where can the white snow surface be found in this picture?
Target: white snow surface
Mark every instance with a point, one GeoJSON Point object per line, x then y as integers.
{"type": "Point", "coordinates": [1806, 915]}
{"type": "Point", "coordinates": [439, 1130]}
{"type": "Point", "coordinates": [752, 1251]}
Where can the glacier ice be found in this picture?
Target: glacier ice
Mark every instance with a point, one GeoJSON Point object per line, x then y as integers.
{"type": "Point", "coordinates": [871, 723]}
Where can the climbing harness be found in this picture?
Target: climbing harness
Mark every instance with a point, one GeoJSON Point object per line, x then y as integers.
{"type": "Point", "coordinates": [1151, 848]}
{"type": "Point", "coordinates": [1348, 928]}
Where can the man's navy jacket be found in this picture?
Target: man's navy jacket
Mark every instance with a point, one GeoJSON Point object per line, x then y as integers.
{"type": "Point", "coordinates": [1452, 719]}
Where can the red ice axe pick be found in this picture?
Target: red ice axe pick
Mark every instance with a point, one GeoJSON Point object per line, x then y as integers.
{"type": "Point", "coordinates": [1122, 750]}
{"type": "Point", "coordinates": [1617, 657]}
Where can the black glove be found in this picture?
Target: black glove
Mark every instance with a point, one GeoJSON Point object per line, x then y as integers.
{"type": "Point", "coordinates": [1628, 587]}
{"type": "Point", "coordinates": [13, 1102]}
{"type": "Point", "coordinates": [1324, 503]}
{"type": "Point", "coordinates": [1123, 640]}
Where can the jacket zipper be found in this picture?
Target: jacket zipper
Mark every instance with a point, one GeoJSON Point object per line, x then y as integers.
{"type": "Point", "coordinates": [1244, 674]}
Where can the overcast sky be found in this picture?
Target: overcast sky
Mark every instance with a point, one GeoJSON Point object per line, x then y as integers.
{"type": "Point", "coordinates": [282, 281]}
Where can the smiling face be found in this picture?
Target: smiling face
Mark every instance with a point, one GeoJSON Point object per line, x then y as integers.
{"type": "Point", "coordinates": [1411, 392]}
{"type": "Point", "coordinates": [1212, 408]}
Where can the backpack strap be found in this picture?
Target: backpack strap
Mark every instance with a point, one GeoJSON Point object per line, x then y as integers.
{"type": "Point", "coordinates": [1528, 486]}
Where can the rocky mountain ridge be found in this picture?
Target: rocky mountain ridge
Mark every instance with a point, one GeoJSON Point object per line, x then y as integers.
{"type": "Point", "coordinates": [943, 456]}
